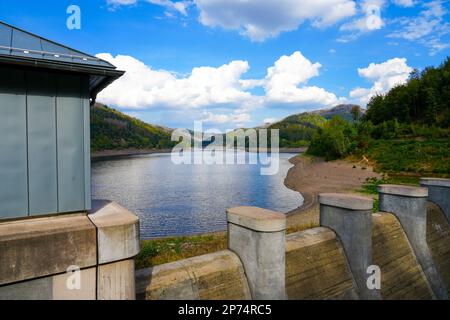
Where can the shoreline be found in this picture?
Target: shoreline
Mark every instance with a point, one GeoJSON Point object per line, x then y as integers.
{"type": "Point", "coordinates": [312, 176]}
{"type": "Point", "coordinates": [308, 176]}
{"type": "Point", "coordinates": [123, 153]}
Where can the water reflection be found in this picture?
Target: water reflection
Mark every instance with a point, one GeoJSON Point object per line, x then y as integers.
{"type": "Point", "coordinates": [185, 199]}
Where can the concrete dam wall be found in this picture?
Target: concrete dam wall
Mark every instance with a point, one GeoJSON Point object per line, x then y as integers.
{"type": "Point", "coordinates": [401, 252]}
{"type": "Point", "coordinates": [408, 241]}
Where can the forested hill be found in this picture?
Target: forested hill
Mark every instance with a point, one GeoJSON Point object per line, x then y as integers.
{"type": "Point", "coordinates": [297, 130]}
{"type": "Point", "coordinates": [424, 99]}
{"type": "Point", "coordinates": [112, 130]}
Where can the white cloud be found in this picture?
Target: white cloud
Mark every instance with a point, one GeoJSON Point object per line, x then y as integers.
{"type": "Point", "coordinates": [369, 19]}
{"type": "Point", "coordinates": [270, 120]}
{"type": "Point", "coordinates": [405, 3]}
{"type": "Point", "coordinates": [235, 118]}
{"type": "Point", "coordinates": [144, 88]}
{"type": "Point", "coordinates": [216, 94]}
{"type": "Point", "coordinates": [284, 79]}
{"type": "Point", "coordinates": [384, 76]}
{"type": "Point", "coordinates": [427, 29]}
{"type": "Point", "coordinates": [178, 6]}
{"type": "Point", "coordinates": [260, 20]}
{"type": "Point", "coordinates": [121, 2]}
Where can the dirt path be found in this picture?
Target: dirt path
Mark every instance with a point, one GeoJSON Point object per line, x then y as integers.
{"type": "Point", "coordinates": [311, 177]}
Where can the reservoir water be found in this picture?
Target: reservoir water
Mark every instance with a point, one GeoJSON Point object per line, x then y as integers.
{"type": "Point", "coordinates": [174, 200]}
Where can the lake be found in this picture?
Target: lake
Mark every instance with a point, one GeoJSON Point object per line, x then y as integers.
{"type": "Point", "coordinates": [176, 200]}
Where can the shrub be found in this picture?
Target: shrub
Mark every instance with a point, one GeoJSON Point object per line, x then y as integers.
{"type": "Point", "coordinates": [335, 140]}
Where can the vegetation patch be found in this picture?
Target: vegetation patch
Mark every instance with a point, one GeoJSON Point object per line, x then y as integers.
{"type": "Point", "coordinates": [164, 250]}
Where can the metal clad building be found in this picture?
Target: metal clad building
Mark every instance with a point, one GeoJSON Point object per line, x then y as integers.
{"type": "Point", "coordinates": [45, 95]}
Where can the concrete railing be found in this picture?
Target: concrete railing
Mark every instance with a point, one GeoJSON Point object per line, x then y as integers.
{"type": "Point", "coordinates": [350, 217]}
{"type": "Point", "coordinates": [40, 257]}
{"type": "Point", "coordinates": [408, 204]}
{"type": "Point", "coordinates": [258, 237]}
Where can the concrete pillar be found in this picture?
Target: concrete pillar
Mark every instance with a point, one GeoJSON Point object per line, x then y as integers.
{"type": "Point", "coordinates": [257, 236]}
{"type": "Point", "coordinates": [350, 216]}
{"type": "Point", "coordinates": [439, 193]}
{"type": "Point", "coordinates": [408, 204]}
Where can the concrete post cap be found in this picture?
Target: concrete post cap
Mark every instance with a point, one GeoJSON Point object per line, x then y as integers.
{"type": "Point", "coordinates": [435, 182]}
{"type": "Point", "coordinates": [401, 190]}
{"type": "Point", "coordinates": [257, 219]}
{"type": "Point", "coordinates": [346, 201]}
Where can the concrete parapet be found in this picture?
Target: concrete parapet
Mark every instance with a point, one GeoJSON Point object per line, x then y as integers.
{"type": "Point", "coordinates": [38, 255]}
{"type": "Point", "coordinates": [215, 276]}
{"type": "Point", "coordinates": [350, 216]}
{"type": "Point", "coordinates": [257, 236]}
{"type": "Point", "coordinates": [117, 231]}
{"type": "Point", "coordinates": [53, 288]}
{"type": "Point", "coordinates": [115, 281]}
{"type": "Point", "coordinates": [408, 204]}
{"type": "Point", "coordinates": [316, 267]}
{"type": "Point", "coordinates": [439, 193]}
{"type": "Point", "coordinates": [40, 247]}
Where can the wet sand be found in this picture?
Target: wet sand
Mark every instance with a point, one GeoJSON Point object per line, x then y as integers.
{"type": "Point", "coordinates": [313, 176]}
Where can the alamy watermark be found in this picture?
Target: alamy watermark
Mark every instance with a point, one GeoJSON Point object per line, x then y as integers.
{"type": "Point", "coordinates": [73, 22]}
{"type": "Point", "coordinates": [373, 17]}
{"type": "Point", "coordinates": [212, 147]}
{"type": "Point", "coordinates": [374, 280]}
{"type": "Point", "coordinates": [73, 281]}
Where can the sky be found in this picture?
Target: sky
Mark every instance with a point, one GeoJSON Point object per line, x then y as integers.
{"type": "Point", "coordinates": [243, 63]}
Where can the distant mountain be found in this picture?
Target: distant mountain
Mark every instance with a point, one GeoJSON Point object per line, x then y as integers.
{"type": "Point", "coordinates": [112, 130]}
{"type": "Point", "coordinates": [342, 110]}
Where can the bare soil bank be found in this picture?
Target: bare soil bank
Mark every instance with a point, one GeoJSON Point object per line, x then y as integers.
{"type": "Point", "coordinates": [313, 176]}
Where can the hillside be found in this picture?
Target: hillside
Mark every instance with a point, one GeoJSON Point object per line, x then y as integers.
{"type": "Point", "coordinates": [343, 110]}
{"type": "Point", "coordinates": [405, 131]}
{"type": "Point", "coordinates": [113, 130]}
{"type": "Point", "coordinates": [297, 130]}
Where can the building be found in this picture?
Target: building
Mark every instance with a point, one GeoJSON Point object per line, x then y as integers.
{"type": "Point", "coordinates": [53, 243]}
{"type": "Point", "coordinates": [45, 92]}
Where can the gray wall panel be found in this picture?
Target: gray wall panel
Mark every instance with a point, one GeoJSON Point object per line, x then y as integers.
{"type": "Point", "coordinates": [87, 141]}
{"type": "Point", "coordinates": [42, 143]}
{"type": "Point", "coordinates": [70, 132]}
{"type": "Point", "coordinates": [13, 145]}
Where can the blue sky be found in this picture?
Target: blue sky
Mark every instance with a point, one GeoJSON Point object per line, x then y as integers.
{"type": "Point", "coordinates": [235, 63]}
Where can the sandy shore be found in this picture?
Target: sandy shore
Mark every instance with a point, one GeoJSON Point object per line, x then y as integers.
{"type": "Point", "coordinates": [312, 176]}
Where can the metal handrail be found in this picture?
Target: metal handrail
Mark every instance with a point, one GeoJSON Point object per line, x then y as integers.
{"type": "Point", "coordinates": [55, 54]}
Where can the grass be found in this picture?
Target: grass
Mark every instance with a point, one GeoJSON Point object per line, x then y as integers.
{"type": "Point", "coordinates": [370, 186]}
{"type": "Point", "coordinates": [164, 250]}
{"type": "Point", "coordinates": [410, 156]}
{"type": "Point", "coordinates": [159, 251]}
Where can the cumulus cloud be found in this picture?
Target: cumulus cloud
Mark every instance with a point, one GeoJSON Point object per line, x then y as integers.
{"type": "Point", "coordinates": [217, 94]}
{"type": "Point", "coordinates": [384, 76]}
{"type": "Point", "coordinates": [286, 81]}
{"type": "Point", "coordinates": [260, 20]}
{"type": "Point", "coordinates": [143, 87]}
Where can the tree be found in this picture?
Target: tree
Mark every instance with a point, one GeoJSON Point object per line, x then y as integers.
{"type": "Point", "coordinates": [356, 113]}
